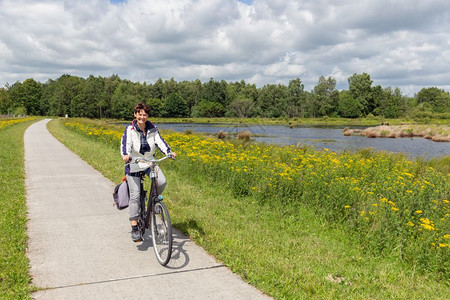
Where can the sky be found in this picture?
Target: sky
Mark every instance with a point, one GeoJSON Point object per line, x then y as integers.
{"type": "Point", "coordinates": [399, 43]}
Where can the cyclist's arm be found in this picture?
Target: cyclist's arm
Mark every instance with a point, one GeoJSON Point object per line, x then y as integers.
{"type": "Point", "coordinates": [161, 144]}
{"type": "Point", "coordinates": [125, 145]}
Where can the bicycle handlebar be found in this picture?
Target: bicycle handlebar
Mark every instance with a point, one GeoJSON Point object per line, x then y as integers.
{"type": "Point", "coordinates": [143, 159]}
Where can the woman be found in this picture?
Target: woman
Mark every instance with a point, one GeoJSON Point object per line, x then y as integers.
{"type": "Point", "coordinates": [141, 136]}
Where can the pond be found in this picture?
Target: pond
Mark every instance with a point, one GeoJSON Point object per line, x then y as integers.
{"type": "Point", "coordinates": [321, 137]}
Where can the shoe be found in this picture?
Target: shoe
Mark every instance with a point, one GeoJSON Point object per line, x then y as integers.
{"type": "Point", "coordinates": [136, 236]}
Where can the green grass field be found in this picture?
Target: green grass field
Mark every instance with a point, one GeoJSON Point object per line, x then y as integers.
{"type": "Point", "coordinates": [14, 277]}
{"type": "Point", "coordinates": [289, 249]}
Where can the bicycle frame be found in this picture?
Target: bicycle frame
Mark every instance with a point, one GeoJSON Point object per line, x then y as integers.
{"type": "Point", "coordinates": [152, 196]}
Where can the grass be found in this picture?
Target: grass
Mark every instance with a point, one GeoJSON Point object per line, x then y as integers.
{"type": "Point", "coordinates": [288, 254]}
{"type": "Point", "coordinates": [14, 277]}
{"type": "Point", "coordinates": [441, 164]}
{"type": "Point", "coordinates": [287, 251]}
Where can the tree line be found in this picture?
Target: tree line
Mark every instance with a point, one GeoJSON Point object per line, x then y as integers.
{"type": "Point", "coordinates": [113, 97]}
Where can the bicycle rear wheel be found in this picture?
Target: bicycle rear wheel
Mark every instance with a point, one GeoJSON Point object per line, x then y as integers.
{"type": "Point", "coordinates": [161, 233]}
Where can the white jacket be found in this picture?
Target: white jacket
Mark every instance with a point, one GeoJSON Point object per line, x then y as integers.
{"type": "Point", "coordinates": [131, 139]}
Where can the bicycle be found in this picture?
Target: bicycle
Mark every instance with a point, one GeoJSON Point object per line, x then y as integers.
{"type": "Point", "coordinates": [153, 211]}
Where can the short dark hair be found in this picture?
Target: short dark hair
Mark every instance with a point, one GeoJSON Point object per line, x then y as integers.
{"type": "Point", "coordinates": [142, 106]}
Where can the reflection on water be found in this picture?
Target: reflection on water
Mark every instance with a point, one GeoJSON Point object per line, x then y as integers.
{"type": "Point", "coordinates": [320, 137]}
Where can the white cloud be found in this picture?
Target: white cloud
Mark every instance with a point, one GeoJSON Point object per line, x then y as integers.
{"type": "Point", "coordinates": [400, 43]}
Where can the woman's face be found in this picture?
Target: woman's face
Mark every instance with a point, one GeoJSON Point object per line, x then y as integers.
{"type": "Point", "coordinates": [141, 117]}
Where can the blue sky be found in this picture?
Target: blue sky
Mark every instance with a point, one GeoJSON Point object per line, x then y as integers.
{"type": "Point", "coordinates": [401, 43]}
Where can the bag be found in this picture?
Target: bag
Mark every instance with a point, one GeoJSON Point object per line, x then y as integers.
{"type": "Point", "coordinates": [121, 195]}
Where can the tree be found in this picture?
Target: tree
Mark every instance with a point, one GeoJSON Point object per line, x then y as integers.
{"type": "Point", "coordinates": [31, 97]}
{"type": "Point", "coordinates": [157, 89]}
{"type": "Point", "coordinates": [272, 100]}
{"type": "Point", "coordinates": [111, 84]}
{"type": "Point", "coordinates": [5, 101]}
{"type": "Point", "coordinates": [326, 96]}
{"type": "Point", "coordinates": [312, 106]}
{"type": "Point", "coordinates": [124, 99]}
{"type": "Point", "coordinates": [157, 107]}
{"type": "Point", "coordinates": [360, 86]}
{"type": "Point", "coordinates": [175, 106]}
{"type": "Point", "coordinates": [295, 99]}
{"type": "Point", "coordinates": [438, 99]}
{"type": "Point", "coordinates": [349, 107]}
{"type": "Point", "coordinates": [214, 91]}
{"type": "Point", "coordinates": [248, 91]}
{"type": "Point", "coordinates": [190, 92]}
{"type": "Point", "coordinates": [170, 87]}
{"type": "Point", "coordinates": [93, 98]}
{"type": "Point", "coordinates": [208, 109]}
{"type": "Point", "coordinates": [63, 95]}
{"type": "Point", "coordinates": [17, 96]}
{"type": "Point", "coordinates": [392, 104]}
{"type": "Point", "coordinates": [27, 96]}
{"type": "Point", "coordinates": [241, 107]}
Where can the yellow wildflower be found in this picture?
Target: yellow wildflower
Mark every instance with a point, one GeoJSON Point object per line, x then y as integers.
{"type": "Point", "coordinates": [425, 221]}
{"type": "Point", "coordinates": [428, 227]}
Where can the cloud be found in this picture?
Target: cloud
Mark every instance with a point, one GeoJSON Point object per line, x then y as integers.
{"type": "Point", "coordinates": [400, 43]}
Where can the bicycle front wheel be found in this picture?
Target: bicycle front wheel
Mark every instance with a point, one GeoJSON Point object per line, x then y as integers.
{"type": "Point", "coordinates": [161, 233]}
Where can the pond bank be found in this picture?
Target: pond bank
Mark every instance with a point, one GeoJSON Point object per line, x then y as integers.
{"type": "Point", "coordinates": [436, 133]}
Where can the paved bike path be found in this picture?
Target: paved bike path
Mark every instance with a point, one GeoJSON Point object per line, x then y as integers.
{"type": "Point", "coordinates": [80, 246]}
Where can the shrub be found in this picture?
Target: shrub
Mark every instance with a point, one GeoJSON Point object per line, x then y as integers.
{"type": "Point", "coordinates": [244, 136]}
{"type": "Point", "coordinates": [221, 135]}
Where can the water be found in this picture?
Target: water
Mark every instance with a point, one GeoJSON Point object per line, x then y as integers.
{"type": "Point", "coordinates": [321, 137]}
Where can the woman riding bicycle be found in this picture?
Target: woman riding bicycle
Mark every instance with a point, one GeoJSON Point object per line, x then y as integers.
{"type": "Point", "coordinates": [141, 136]}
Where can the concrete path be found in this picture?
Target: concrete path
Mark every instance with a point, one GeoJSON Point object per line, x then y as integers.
{"type": "Point", "coordinates": [80, 245]}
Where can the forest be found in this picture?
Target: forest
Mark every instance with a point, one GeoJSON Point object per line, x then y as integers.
{"type": "Point", "coordinates": [113, 97]}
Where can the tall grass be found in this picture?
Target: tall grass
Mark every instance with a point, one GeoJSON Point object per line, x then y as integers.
{"type": "Point", "coordinates": [14, 278]}
{"type": "Point", "coordinates": [394, 206]}
{"type": "Point", "coordinates": [368, 206]}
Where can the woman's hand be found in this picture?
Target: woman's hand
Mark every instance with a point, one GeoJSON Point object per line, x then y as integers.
{"type": "Point", "coordinates": [126, 158]}
{"type": "Point", "coordinates": [173, 154]}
